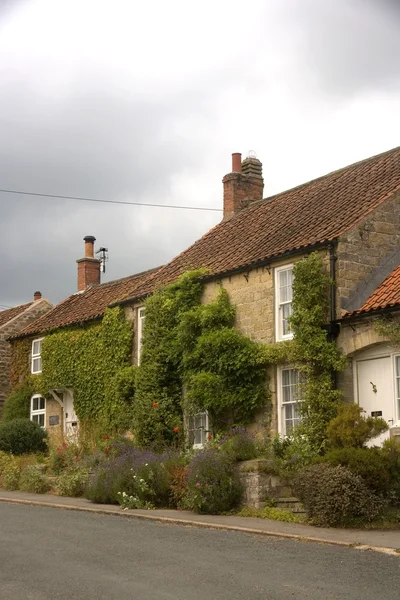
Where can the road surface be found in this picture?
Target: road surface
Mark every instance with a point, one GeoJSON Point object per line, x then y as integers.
{"type": "Point", "coordinates": [53, 554]}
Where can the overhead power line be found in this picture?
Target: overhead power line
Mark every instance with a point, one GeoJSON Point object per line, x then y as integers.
{"type": "Point", "coordinates": [204, 208]}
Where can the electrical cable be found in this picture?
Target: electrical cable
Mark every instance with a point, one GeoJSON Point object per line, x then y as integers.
{"type": "Point", "coordinates": [81, 198]}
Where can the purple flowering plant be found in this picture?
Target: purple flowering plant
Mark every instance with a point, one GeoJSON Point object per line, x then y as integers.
{"type": "Point", "coordinates": [213, 484]}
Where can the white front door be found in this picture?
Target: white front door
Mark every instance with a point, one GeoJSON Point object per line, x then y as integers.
{"type": "Point", "coordinates": [70, 418]}
{"type": "Point", "coordinates": [375, 386]}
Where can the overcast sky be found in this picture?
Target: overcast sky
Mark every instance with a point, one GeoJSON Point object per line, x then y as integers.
{"type": "Point", "coordinates": [146, 101]}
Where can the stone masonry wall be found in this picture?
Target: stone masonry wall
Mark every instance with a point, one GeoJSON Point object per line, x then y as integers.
{"type": "Point", "coordinates": [258, 485]}
{"type": "Point", "coordinates": [53, 409]}
{"type": "Point", "coordinates": [363, 250]}
{"type": "Point", "coordinates": [35, 311]}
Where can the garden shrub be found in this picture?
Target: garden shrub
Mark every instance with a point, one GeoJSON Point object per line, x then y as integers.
{"type": "Point", "coordinates": [22, 436]}
{"type": "Point", "coordinates": [293, 452]}
{"type": "Point", "coordinates": [33, 480]}
{"type": "Point", "coordinates": [391, 451]}
{"type": "Point", "coordinates": [371, 464]}
{"type": "Point", "coordinates": [239, 444]}
{"type": "Point", "coordinates": [124, 474]}
{"type": "Point", "coordinates": [63, 456]}
{"type": "Point", "coordinates": [351, 429]}
{"type": "Point", "coordinates": [178, 472]}
{"type": "Point", "coordinates": [17, 404]}
{"type": "Point", "coordinates": [71, 482]}
{"type": "Point", "coordinates": [213, 483]}
{"type": "Point", "coordinates": [334, 496]}
{"type": "Point", "coordinates": [120, 445]}
{"type": "Point", "coordinates": [9, 471]}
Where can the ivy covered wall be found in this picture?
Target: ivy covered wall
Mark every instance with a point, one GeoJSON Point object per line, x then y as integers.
{"type": "Point", "coordinates": [94, 360]}
{"type": "Point", "coordinates": [194, 358]}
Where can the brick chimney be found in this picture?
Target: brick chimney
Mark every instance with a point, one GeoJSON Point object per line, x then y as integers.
{"type": "Point", "coordinates": [37, 296]}
{"type": "Point", "coordinates": [244, 185]}
{"type": "Point", "coordinates": [88, 267]}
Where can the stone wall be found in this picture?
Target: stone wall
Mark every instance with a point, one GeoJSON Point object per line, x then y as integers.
{"type": "Point", "coordinates": [259, 485]}
{"type": "Point", "coordinates": [366, 251]}
{"type": "Point", "coordinates": [33, 312]}
{"type": "Point", "coordinates": [53, 409]}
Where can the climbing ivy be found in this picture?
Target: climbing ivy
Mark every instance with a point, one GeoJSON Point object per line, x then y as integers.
{"type": "Point", "coordinates": [193, 360]}
{"type": "Point", "coordinates": [91, 360]}
{"type": "Point", "coordinates": [224, 372]}
{"type": "Point", "coordinates": [314, 354]}
{"type": "Point", "coordinates": [157, 415]}
{"type": "Point", "coordinates": [20, 362]}
{"type": "Point", "coordinates": [389, 328]}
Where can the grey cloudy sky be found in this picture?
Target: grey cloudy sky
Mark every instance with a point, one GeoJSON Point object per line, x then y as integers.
{"type": "Point", "coordinates": [145, 102]}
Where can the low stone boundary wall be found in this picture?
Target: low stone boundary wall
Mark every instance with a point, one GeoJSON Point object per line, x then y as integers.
{"type": "Point", "coordinates": [260, 485]}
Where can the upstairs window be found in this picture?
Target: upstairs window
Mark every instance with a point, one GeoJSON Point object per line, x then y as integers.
{"type": "Point", "coordinates": [141, 317]}
{"type": "Point", "coordinates": [283, 301]}
{"type": "Point", "coordinates": [38, 410]}
{"type": "Point", "coordinates": [198, 429]}
{"type": "Point", "coordinates": [36, 365]}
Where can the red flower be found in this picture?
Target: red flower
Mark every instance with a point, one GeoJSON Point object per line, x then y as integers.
{"type": "Point", "coordinates": [155, 404]}
{"type": "Point", "coordinates": [209, 437]}
{"type": "Point", "coordinates": [106, 437]}
{"type": "Point", "coordinates": [176, 429]}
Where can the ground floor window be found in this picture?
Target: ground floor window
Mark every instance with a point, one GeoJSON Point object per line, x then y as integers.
{"type": "Point", "coordinates": [198, 429]}
{"type": "Point", "coordinates": [38, 410]}
{"type": "Point", "coordinates": [289, 394]}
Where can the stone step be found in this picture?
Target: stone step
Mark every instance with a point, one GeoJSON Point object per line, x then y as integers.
{"type": "Point", "coordinates": [284, 491]}
{"type": "Point", "coordinates": [290, 503]}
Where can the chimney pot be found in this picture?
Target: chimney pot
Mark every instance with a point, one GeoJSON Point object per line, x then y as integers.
{"type": "Point", "coordinates": [37, 295]}
{"type": "Point", "coordinates": [236, 162]}
{"type": "Point", "coordinates": [89, 246]}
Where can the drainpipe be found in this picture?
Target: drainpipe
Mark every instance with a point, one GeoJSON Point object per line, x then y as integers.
{"type": "Point", "coordinates": [333, 326]}
{"type": "Point", "coordinates": [332, 261]}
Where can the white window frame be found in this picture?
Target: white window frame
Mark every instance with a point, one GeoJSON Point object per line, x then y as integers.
{"type": "Point", "coordinates": [281, 404]}
{"type": "Point", "coordinates": [140, 317]}
{"type": "Point", "coordinates": [39, 411]}
{"type": "Point", "coordinates": [205, 430]}
{"type": "Point", "coordinates": [36, 356]}
{"type": "Point", "coordinates": [279, 335]}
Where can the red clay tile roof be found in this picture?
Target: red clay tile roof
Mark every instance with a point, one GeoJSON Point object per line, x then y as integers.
{"type": "Point", "coordinates": [387, 295]}
{"type": "Point", "coordinates": [312, 213]}
{"type": "Point", "coordinates": [7, 315]}
{"type": "Point", "coordinates": [85, 306]}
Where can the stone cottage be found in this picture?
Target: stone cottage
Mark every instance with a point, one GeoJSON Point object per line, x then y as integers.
{"type": "Point", "coordinates": [12, 321]}
{"type": "Point", "coordinates": [55, 410]}
{"type": "Point", "coordinates": [351, 217]}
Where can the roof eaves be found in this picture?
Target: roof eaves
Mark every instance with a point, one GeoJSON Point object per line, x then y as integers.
{"type": "Point", "coordinates": [371, 312]}
{"type": "Point", "coordinates": [242, 268]}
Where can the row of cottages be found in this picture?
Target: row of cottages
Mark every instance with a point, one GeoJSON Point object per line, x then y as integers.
{"type": "Point", "coordinates": [12, 321]}
{"type": "Point", "coordinates": [350, 216]}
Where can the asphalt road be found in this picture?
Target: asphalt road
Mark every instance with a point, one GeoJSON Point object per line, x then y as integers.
{"type": "Point", "coordinates": [49, 554]}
